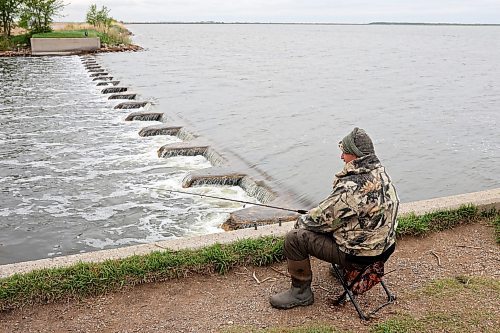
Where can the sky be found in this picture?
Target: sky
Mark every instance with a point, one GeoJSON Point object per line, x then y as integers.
{"type": "Point", "coordinates": [299, 11]}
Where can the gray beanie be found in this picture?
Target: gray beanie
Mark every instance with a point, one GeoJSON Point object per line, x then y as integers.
{"type": "Point", "coordinates": [357, 143]}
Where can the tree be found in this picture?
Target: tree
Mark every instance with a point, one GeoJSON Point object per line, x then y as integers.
{"type": "Point", "coordinates": [37, 15]}
{"type": "Point", "coordinates": [91, 17]}
{"type": "Point", "coordinates": [9, 10]}
{"type": "Point", "coordinates": [99, 18]}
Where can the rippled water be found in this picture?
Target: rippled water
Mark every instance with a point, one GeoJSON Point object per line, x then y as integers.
{"type": "Point", "coordinates": [76, 177]}
{"type": "Point", "coordinates": [282, 96]}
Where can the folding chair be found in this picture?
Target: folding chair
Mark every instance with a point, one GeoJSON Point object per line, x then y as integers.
{"type": "Point", "coordinates": [359, 278]}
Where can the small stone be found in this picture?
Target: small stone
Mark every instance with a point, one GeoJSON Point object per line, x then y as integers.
{"type": "Point", "coordinates": [230, 322]}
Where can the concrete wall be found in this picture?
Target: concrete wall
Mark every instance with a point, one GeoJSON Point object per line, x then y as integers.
{"type": "Point", "coordinates": [484, 200]}
{"type": "Point", "coordinates": [62, 46]}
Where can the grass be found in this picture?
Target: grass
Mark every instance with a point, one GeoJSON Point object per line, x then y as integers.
{"type": "Point", "coordinates": [419, 225]}
{"type": "Point", "coordinates": [14, 42]}
{"type": "Point", "coordinates": [449, 305]}
{"type": "Point", "coordinates": [115, 35]}
{"type": "Point", "coordinates": [85, 279]}
{"type": "Point", "coordinates": [496, 225]}
{"type": "Point", "coordinates": [67, 34]}
{"type": "Point", "coordinates": [458, 284]}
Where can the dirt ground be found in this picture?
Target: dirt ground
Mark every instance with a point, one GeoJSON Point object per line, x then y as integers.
{"type": "Point", "coordinates": [236, 300]}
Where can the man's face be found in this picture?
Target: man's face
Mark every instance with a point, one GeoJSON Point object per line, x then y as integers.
{"type": "Point", "coordinates": [347, 157]}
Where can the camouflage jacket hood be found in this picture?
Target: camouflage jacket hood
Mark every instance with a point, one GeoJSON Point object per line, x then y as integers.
{"type": "Point", "coordinates": [361, 210]}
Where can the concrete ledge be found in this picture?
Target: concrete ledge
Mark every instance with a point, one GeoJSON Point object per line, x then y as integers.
{"type": "Point", "coordinates": [131, 105]}
{"type": "Point", "coordinates": [213, 176]}
{"type": "Point", "coordinates": [484, 200]}
{"type": "Point", "coordinates": [144, 116]}
{"type": "Point", "coordinates": [63, 46]}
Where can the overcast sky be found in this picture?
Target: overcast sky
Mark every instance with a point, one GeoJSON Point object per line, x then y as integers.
{"type": "Point", "coordinates": [332, 11]}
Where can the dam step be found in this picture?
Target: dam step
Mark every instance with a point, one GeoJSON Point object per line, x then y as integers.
{"type": "Point", "coordinates": [107, 83]}
{"type": "Point", "coordinates": [99, 74]}
{"type": "Point", "coordinates": [103, 78]}
{"type": "Point", "coordinates": [191, 149]}
{"type": "Point", "coordinates": [213, 176]}
{"type": "Point", "coordinates": [96, 70]}
{"type": "Point", "coordinates": [113, 90]}
{"type": "Point", "coordinates": [131, 105]}
{"type": "Point", "coordinates": [161, 129]}
{"type": "Point", "coordinates": [144, 116]}
{"type": "Point", "coordinates": [255, 216]}
{"type": "Point", "coordinates": [122, 96]}
{"type": "Point", "coordinates": [92, 66]}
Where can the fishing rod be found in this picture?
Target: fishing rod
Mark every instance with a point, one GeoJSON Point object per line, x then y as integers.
{"type": "Point", "coordinates": [300, 211]}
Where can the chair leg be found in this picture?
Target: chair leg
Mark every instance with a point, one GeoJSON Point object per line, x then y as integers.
{"type": "Point", "coordinates": [390, 296]}
{"type": "Point", "coordinates": [390, 299]}
{"type": "Point", "coordinates": [347, 291]}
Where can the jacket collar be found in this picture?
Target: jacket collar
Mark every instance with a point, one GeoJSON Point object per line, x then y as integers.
{"type": "Point", "coordinates": [360, 165]}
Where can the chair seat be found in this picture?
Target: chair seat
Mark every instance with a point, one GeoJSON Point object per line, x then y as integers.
{"type": "Point", "coordinates": [371, 276]}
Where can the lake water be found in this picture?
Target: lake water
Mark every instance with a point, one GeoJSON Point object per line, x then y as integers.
{"type": "Point", "coordinates": [75, 176]}
{"type": "Point", "coordinates": [282, 96]}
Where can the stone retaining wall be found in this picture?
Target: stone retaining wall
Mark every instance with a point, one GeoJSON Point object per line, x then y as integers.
{"type": "Point", "coordinates": [484, 200]}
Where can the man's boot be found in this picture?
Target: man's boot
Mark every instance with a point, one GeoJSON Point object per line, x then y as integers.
{"type": "Point", "coordinates": [300, 293]}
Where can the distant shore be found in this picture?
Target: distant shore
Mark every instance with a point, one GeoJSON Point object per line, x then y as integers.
{"type": "Point", "coordinates": [311, 23]}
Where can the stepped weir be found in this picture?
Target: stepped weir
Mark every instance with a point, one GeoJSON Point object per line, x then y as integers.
{"type": "Point", "coordinates": [223, 172]}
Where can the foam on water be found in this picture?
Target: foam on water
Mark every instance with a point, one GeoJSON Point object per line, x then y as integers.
{"type": "Point", "coordinates": [76, 177]}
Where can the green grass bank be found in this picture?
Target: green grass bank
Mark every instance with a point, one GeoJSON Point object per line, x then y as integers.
{"type": "Point", "coordinates": [86, 279]}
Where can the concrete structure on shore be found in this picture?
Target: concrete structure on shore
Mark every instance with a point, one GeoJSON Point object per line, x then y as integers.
{"type": "Point", "coordinates": [64, 46]}
{"type": "Point", "coordinates": [484, 200]}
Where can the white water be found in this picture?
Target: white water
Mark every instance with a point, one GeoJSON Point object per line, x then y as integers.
{"type": "Point", "coordinates": [76, 177]}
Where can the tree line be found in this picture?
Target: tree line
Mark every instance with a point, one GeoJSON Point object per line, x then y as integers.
{"type": "Point", "coordinates": [36, 16]}
{"type": "Point", "coordinates": [33, 15]}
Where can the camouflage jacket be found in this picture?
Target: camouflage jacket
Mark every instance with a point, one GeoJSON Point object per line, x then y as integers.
{"type": "Point", "coordinates": [361, 210]}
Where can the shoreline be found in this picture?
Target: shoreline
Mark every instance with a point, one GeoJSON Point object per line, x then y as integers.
{"type": "Point", "coordinates": [26, 52]}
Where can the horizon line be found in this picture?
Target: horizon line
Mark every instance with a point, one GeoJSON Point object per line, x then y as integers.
{"type": "Point", "coordinates": [311, 23]}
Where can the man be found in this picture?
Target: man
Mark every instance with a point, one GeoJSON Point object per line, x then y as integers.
{"type": "Point", "coordinates": [355, 223]}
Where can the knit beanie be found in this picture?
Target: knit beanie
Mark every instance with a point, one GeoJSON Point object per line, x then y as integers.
{"type": "Point", "coordinates": [357, 143]}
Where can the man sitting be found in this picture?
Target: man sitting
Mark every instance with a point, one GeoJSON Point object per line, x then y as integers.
{"type": "Point", "coordinates": [356, 223]}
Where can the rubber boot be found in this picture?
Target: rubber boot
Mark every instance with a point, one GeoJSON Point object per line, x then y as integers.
{"type": "Point", "coordinates": [300, 293]}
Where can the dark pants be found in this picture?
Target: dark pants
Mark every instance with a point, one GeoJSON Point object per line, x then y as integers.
{"type": "Point", "coordinates": [300, 244]}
